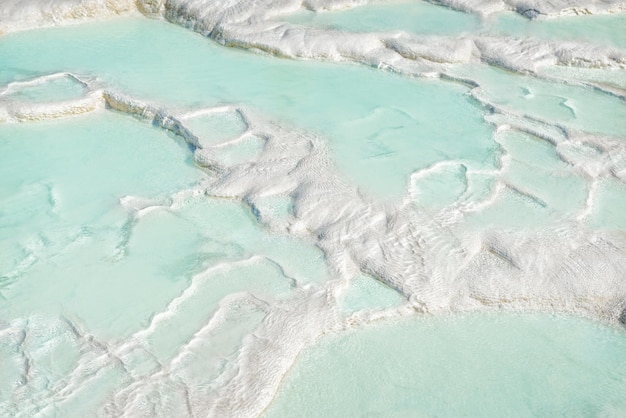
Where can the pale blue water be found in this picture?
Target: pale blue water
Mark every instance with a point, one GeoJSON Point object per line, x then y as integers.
{"type": "Point", "coordinates": [572, 106]}
{"type": "Point", "coordinates": [607, 30]}
{"type": "Point", "coordinates": [61, 215]}
{"type": "Point", "coordinates": [478, 365]}
{"type": "Point", "coordinates": [60, 88]}
{"type": "Point", "coordinates": [410, 16]}
{"type": "Point", "coordinates": [124, 284]}
{"type": "Point", "coordinates": [386, 128]}
{"type": "Point", "coordinates": [422, 17]}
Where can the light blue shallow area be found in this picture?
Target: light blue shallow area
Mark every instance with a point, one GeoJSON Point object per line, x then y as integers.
{"type": "Point", "coordinates": [572, 106]}
{"type": "Point", "coordinates": [70, 246]}
{"type": "Point", "coordinates": [425, 18]}
{"type": "Point", "coordinates": [104, 246]}
{"type": "Point", "coordinates": [366, 293]}
{"type": "Point", "coordinates": [605, 30]}
{"type": "Point", "coordinates": [473, 366]}
{"type": "Point", "coordinates": [70, 249]}
{"type": "Point", "coordinates": [411, 16]}
{"type": "Point", "coordinates": [379, 134]}
{"type": "Point", "coordinates": [55, 89]}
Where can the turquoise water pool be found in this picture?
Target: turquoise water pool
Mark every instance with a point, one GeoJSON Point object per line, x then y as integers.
{"type": "Point", "coordinates": [190, 229]}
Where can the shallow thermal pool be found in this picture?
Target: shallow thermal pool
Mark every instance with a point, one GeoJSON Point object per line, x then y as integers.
{"type": "Point", "coordinates": [188, 229]}
{"type": "Point", "coordinates": [475, 365]}
{"type": "Point", "coordinates": [378, 133]}
{"type": "Point", "coordinates": [416, 17]}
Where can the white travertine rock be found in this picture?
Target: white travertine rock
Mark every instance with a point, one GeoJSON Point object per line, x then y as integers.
{"type": "Point", "coordinates": [30, 14]}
